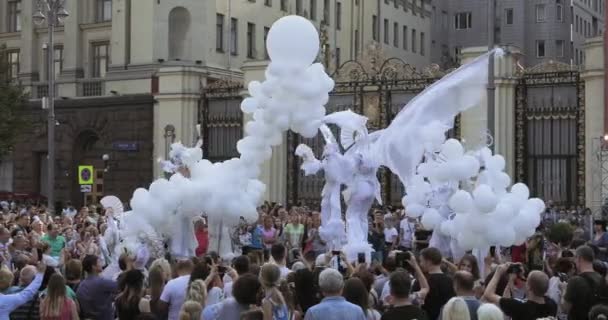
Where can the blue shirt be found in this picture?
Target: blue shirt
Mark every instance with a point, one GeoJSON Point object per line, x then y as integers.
{"type": "Point", "coordinates": [335, 308]}
{"type": "Point", "coordinates": [95, 296]}
{"type": "Point", "coordinates": [10, 302]}
{"type": "Point", "coordinates": [256, 237]}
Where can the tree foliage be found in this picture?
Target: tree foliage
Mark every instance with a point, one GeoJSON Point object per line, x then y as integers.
{"type": "Point", "coordinates": [561, 233]}
{"type": "Point", "coordinates": [13, 100]}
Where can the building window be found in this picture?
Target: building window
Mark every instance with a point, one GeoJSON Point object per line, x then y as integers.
{"type": "Point", "coordinates": [283, 5]}
{"type": "Point", "coordinates": [509, 16]}
{"type": "Point", "coordinates": [266, 30]}
{"type": "Point", "coordinates": [396, 34]}
{"type": "Point", "coordinates": [57, 61]}
{"type": "Point", "coordinates": [268, 3]}
{"type": "Point", "coordinates": [576, 24]}
{"type": "Point", "coordinates": [338, 15]}
{"type": "Point", "coordinates": [234, 36]}
{"type": "Point", "coordinates": [299, 9]}
{"type": "Point", "coordinates": [356, 43]}
{"type": "Point", "coordinates": [540, 13]}
{"type": "Point", "coordinates": [338, 62]}
{"type": "Point", "coordinates": [14, 16]}
{"type": "Point", "coordinates": [219, 33]}
{"type": "Point", "coordinates": [386, 31]}
{"type": "Point", "coordinates": [326, 12]}
{"type": "Point", "coordinates": [251, 41]}
{"type": "Point", "coordinates": [560, 13]}
{"type": "Point", "coordinates": [540, 48]}
{"type": "Point", "coordinates": [457, 52]}
{"type": "Point", "coordinates": [422, 43]}
{"type": "Point", "coordinates": [462, 20]}
{"type": "Point", "coordinates": [104, 10]}
{"type": "Point", "coordinates": [444, 19]}
{"type": "Point", "coordinates": [414, 40]}
{"type": "Point", "coordinates": [405, 38]}
{"type": "Point", "coordinates": [100, 59]}
{"type": "Point", "coordinates": [313, 10]}
{"type": "Point", "coordinates": [375, 28]}
{"type": "Point", "coordinates": [12, 61]}
{"type": "Point", "coordinates": [559, 48]}
{"type": "Point", "coordinates": [405, 5]}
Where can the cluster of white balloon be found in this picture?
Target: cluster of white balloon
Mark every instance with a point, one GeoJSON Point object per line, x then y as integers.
{"type": "Point", "coordinates": [292, 97]}
{"type": "Point", "coordinates": [482, 210]}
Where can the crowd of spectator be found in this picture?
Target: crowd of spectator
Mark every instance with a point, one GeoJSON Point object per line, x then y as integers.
{"type": "Point", "coordinates": [52, 268]}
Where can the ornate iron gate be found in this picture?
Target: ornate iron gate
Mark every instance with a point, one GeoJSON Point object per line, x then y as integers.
{"type": "Point", "coordinates": [550, 133]}
{"type": "Point", "coordinates": [222, 119]}
{"type": "Point", "coordinates": [376, 88]}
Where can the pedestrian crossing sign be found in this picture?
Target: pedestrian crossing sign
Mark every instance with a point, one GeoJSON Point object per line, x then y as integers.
{"type": "Point", "coordinates": [85, 175]}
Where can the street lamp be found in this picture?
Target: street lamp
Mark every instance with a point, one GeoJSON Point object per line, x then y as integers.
{"type": "Point", "coordinates": [53, 12]}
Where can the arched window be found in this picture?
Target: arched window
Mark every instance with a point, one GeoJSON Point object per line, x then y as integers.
{"type": "Point", "coordinates": [179, 34]}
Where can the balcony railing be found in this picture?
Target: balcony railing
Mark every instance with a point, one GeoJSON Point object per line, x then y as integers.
{"type": "Point", "coordinates": [92, 88]}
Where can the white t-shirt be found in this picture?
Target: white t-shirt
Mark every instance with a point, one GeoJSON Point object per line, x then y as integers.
{"type": "Point", "coordinates": [390, 234]}
{"type": "Point", "coordinates": [216, 295]}
{"type": "Point", "coordinates": [228, 289]}
{"type": "Point", "coordinates": [408, 229]}
{"type": "Point", "coordinates": [174, 294]}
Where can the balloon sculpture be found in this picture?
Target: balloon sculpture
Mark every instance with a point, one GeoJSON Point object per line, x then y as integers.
{"type": "Point", "coordinates": [291, 98]}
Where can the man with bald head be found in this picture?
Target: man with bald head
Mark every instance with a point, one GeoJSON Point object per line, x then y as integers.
{"type": "Point", "coordinates": [536, 305]}
{"type": "Point", "coordinates": [30, 309]}
{"type": "Point", "coordinates": [464, 286]}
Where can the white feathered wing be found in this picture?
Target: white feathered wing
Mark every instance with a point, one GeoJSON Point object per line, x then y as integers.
{"type": "Point", "coordinates": [399, 146]}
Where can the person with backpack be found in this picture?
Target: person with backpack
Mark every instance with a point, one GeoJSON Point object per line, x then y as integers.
{"type": "Point", "coordinates": [586, 289]}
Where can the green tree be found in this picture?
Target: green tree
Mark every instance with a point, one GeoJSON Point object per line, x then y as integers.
{"type": "Point", "coordinates": [13, 101]}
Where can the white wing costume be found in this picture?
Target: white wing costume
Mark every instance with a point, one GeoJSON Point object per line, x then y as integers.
{"type": "Point", "coordinates": [401, 146]}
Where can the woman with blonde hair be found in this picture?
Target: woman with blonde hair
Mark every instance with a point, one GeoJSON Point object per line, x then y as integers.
{"type": "Point", "coordinates": [56, 305]}
{"type": "Point", "coordinates": [195, 301]}
{"type": "Point", "coordinates": [455, 309]}
{"type": "Point", "coordinates": [158, 276]}
{"type": "Point", "coordinates": [488, 311]}
{"type": "Point", "coordinates": [273, 304]}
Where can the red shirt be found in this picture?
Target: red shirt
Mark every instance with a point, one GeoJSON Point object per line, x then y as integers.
{"type": "Point", "coordinates": [202, 236]}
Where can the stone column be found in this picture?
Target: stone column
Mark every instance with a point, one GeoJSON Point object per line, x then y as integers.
{"type": "Point", "coordinates": [29, 51]}
{"type": "Point", "coordinates": [506, 83]}
{"type": "Point", "coordinates": [473, 122]}
{"type": "Point", "coordinates": [594, 121]}
{"type": "Point", "coordinates": [120, 34]}
{"type": "Point", "coordinates": [177, 105]}
{"type": "Point", "coordinates": [72, 50]}
{"type": "Point", "coordinates": [274, 171]}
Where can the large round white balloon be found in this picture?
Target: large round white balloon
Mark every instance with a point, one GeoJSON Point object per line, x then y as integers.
{"type": "Point", "coordinates": [293, 39]}
{"type": "Point", "coordinates": [485, 199]}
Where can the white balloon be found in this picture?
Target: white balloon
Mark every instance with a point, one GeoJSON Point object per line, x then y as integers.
{"type": "Point", "coordinates": [431, 219]}
{"type": "Point", "coordinates": [461, 202]}
{"type": "Point", "coordinates": [503, 180]}
{"type": "Point", "coordinates": [484, 198]}
{"type": "Point", "coordinates": [538, 204]}
{"type": "Point", "coordinates": [504, 211]}
{"type": "Point", "coordinates": [293, 39]}
{"type": "Point", "coordinates": [452, 148]}
{"type": "Point", "coordinates": [496, 163]}
{"type": "Point", "coordinates": [414, 210]}
{"type": "Point", "coordinates": [521, 191]}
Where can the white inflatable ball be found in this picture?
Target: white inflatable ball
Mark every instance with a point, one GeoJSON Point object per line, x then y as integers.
{"type": "Point", "coordinates": [446, 228]}
{"type": "Point", "coordinates": [484, 198]}
{"type": "Point", "coordinates": [293, 39]}
{"type": "Point", "coordinates": [461, 202]}
{"type": "Point", "coordinates": [503, 180]}
{"type": "Point", "coordinates": [452, 149]}
{"type": "Point", "coordinates": [521, 191]}
{"type": "Point", "coordinates": [496, 163]}
{"type": "Point", "coordinates": [431, 219]}
{"type": "Point", "coordinates": [538, 204]}
{"type": "Point", "coordinates": [504, 211]}
{"type": "Point", "coordinates": [414, 210]}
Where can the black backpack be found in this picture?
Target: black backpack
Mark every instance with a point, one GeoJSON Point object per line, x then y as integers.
{"type": "Point", "coordinates": [599, 291]}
